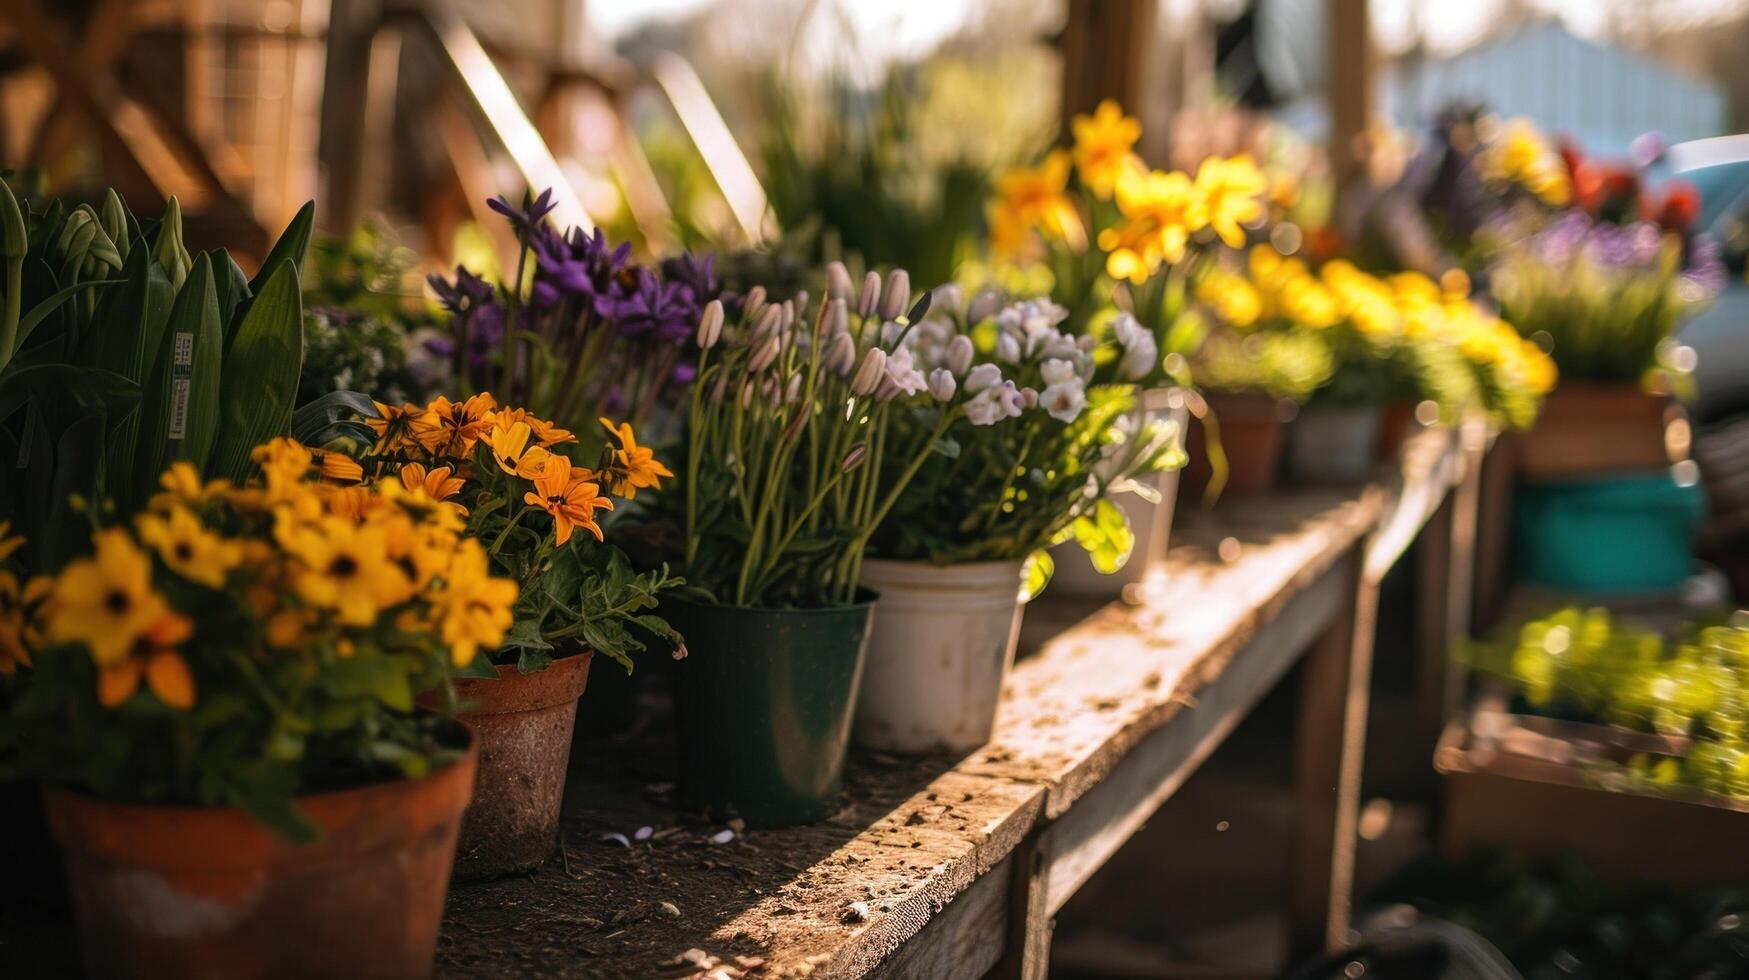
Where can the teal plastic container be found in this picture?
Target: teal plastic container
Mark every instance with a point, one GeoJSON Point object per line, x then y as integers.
{"type": "Point", "coordinates": [1607, 535]}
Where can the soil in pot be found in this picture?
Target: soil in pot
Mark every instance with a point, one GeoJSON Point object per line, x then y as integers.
{"type": "Point", "coordinates": [763, 704]}
{"type": "Point", "coordinates": [943, 640]}
{"type": "Point", "coordinates": [1251, 430]}
{"type": "Point", "coordinates": [524, 724]}
{"type": "Point", "coordinates": [199, 892]}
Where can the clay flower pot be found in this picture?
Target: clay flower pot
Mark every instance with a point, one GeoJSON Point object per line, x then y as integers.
{"type": "Point", "coordinates": [524, 723]}
{"type": "Point", "coordinates": [763, 703]}
{"type": "Point", "coordinates": [1251, 437]}
{"type": "Point", "coordinates": [943, 641]}
{"type": "Point", "coordinates": [1333, 444]}
{"type": "Point", "coordinates": [195, 892]}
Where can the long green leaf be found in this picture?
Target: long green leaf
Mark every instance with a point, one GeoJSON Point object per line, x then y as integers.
{"type": "Point", "coordinates": [233, 289]}
{"type": "Point", "coordinates": [181, 403]}
{"type": "Point", "coordinates": [124, 341]}
{"type": "Point", "coordinates": [291, 246]}
{"type": "Point", "coordinates": [48, 305]}
{"type": "Point", "coordinates": [260, 374]}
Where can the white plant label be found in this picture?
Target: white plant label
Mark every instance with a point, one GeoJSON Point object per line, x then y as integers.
{"type": "Point", "coordinates": [181, 380]}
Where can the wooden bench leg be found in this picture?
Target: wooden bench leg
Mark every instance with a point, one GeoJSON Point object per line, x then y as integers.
{"type": "Point", "coordinates": [1328, 752]}
{"type": "Point", "coordinates": [1028, 955]}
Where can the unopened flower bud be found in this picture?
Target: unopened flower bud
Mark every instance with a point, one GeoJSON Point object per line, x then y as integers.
{"type": "Point", "coordinates": [1029, 397]}
{"type": "Point", "coordinates": [959, 354]}
{"type": "Point", "coordinates": [897, 295]}
{"type": "Point", "coordinates": [770, 319]}
{"type": "Point", "coordinates": [871, 295]}
{"type": "Point", "coordinates": [886, 391]}
{"type": "Point", "coordinates": [801, 301]}
{"type": "Point", "coordinates": [837, 317]}
{"type": "Point", "coordinates": [794, 391]}
{"type": "Point", "coordinates": [767, 352]}
{"type": "Point", "coordinates": [838, 284]}
{"type": "Point", "coordinates": [983, 376]}
{"type": "Point", "coordinates": [942, 384]}
{"type": "Point", "coordinates": [871, 373]}
{"type": "Point", "coordinates": [841, 356]}
{"type": "Point", "coordinates": [984, 306]}
{"type": "Point", "coordinates": [788, 318]}
{"type": "Point", "coordinates": [710, 324]}
{"type": "Point", "coordinates": [746, 394]}
{"type": "Point", "coordinates": [853, 459]}
{"type": "Point", "coordinates": [948, 298]}
{"type": "Point", "coordinates": [753, 305]}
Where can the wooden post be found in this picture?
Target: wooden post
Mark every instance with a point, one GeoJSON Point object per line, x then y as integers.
{"type": "Point", "coordinates": [1447, 577]}
{"type": "Point", "coordinates": [1028, 954]}
{"type": "Point", "coordinates": [1494, 532]}
{"type": "Point", "coordinates": [1329, 749]}
{"type": "Point", "coordinates": [1350, 93]}
{"type": "Point", "coordinates": [1105, 46]}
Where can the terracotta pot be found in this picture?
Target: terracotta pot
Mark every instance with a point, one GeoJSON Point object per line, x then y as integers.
{"type": "Point", "coordinates": [1396, 420]}
{"type": "Point", "coordinates": [1334, 444]}
{"type": "Point", "coordinates": [524, 723]}
{"type": "Point", "coordinates": [1250, 428]}
{"type": "Point", "coordinates": [194, 892]}
{"type": "Point", "coordinates": [1593, 428]}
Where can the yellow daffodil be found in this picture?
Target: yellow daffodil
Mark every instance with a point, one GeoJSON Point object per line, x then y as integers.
{"type": "Point", "coordinates": [1157, 209]}
{"type": "Point", "coordinates": [1037, 197]}
{"type": "Point", "coordinates": [514, 453]}
{"type": "Point", "coordinates": [154, 657]}
{"type": "Point", "coordinates": [188, 548]}
{"type": "Point", "coordinates": [105, 602]}
{"type": "Point", "coordinates": [1234, 300]}
{"type": "Point", "coordinates": [450, 429]}
{"type": "Point", "coordinates": [1229, 194]}
{"type": "Point", "coordinates": [344, 567]}
{"type": "Point", "coordinates": [572, 497]}
{"type": "Point", "coordinates": [1104, 147]}
{"type": "Point", "coordinates": [1521, 156]}
{"type": "Point", "coordinates": [474, 609]}
{"type": "Point", "coordinates": [634, 467]}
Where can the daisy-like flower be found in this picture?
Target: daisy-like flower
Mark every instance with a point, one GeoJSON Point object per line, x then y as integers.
{"type": "Point", "coordinates": [1229, 194]}
{"type": "Point", "coordinates": [514, 453]}
{"type": "Point", "coordinates": [18, 604]}
{"type": "Point", "coordinates": [634, 467]}
{"type": "Point", "coordinates": [438, 482]}
{"type": "Point", "coordinates": [105, 602]}
{"type": "Point", "coordinates": [9, 542]}
{"type": "Point", "coordinates": [153, 657]}
{"type": "Point", "coordinates": [571, 497]}
{"type": "Point", "coordinates": [1159, 212]}
{"type": "Point", "coordinates": [546, 433]}
{"type": "Point", "coordinates": [344, 567]}
{"type": "Point", "coordinates": [394, 427]}
{"type": "Point", "coordinates": [188, 548]}
{"type": "Point", "coordinates": [1105, 147]}
{"type": "Point", "coordinates": [182, 484]}
{"type": "Point", "coordinates": [450, 429]}
{"type": "Point", "coordinates": [474, 609]}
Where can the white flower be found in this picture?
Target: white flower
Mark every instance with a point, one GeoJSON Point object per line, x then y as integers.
{"type": "Point", "coordinates": [1052, 343]}
{"type": "Point", "coordinates": [897, 296]}
{"type": "Point", "coordinates": [871, 295]}
{"type": "Point", "coordinates": [1064, 401]}
{"type": "Point", "coordinates": [948, 298]}
{"type": "Point", "coordinates": [903, 373]}
{"type": "Point", "coordinates": [1057, 371]}
{"type": "Point", "coordinates": [890, 332]}
{"type": "Point", "coordinates": [1140, 352]}
{"type": "Point", "coordinates": [984, 305]}
{"type": "Point", "coordinates": [1012, 399]}
{"type": "Point", "coordinates": [994, 404]}
{"type": "Point", "coordinates": [983, 376]}
{"type": "Point", "coordinates": [1008, 349]}
{"type": "Point", "coordinates": [941, 384]}
{"type": "Point", "coordinates": [1029, 398]}
{"type": "Point", "coordinates": [959, 354]}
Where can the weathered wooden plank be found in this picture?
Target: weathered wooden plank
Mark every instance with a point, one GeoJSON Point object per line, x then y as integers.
{"type": "Point", "coordinates": [965, 941]}
{"type": "Point", "coordinates": [1084, 838]}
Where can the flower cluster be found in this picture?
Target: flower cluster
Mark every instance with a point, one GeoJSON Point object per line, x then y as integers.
{"type": "Point", "coordinates": [1100, 216]}
{"type": "Point", "coordinates": [596, 334]}
{"type": "Point", "coordinates": [275, 632]}
{"type": "Point", "coordinates": [504, 473]}
{"type": "Point", "coordinates": [1342, 333]}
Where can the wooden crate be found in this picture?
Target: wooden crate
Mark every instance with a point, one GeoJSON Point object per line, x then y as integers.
{"type": "Point", "coordinates": [1525, 786]}
{"type": "Point", "coordinates": [1587, 429]}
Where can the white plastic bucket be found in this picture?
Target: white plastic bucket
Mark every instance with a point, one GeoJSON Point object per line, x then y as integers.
{"type": "Point", "coordinates": [1328, 444]}
{"type": "Point", "coordinates": [942, 643]}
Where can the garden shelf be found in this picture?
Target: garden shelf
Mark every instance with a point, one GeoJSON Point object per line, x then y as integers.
{"type": "Point", "coordinates": [954, 868]}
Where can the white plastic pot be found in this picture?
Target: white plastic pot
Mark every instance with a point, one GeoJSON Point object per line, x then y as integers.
{"type": "Point", "coordinates": [1331, 444]}
{"type": "Point", "coordinates": [1151, 523]}
{"type": "Point", "coordinates": [942, 642]}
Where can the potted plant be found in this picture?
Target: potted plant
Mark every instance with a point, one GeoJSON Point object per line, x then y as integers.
{"type": "Point", "coordinates": [785, 479]}
{"type": "Point", "coordinates": [502, 472]}
{"type": "Point", "coordinates": [594, 334]}
{"type": "Point", "coordinates": [219, 702]}
{"type": "Point", "coordinates": [1114, 235]}
{"type": "Point", "coordinates": [951, 559]}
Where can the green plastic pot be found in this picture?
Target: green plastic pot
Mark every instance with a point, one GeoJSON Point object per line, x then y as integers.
{"type": "Point", "coordinates": [763, 703]}
{"type": "Point", "coordinates": [1610, 535]}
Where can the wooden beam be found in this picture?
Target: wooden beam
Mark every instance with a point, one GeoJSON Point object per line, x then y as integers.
{"type": "Point", "coordinates": [1350, 61]}
{"type": "Point", "coordinates": [1105, 45]}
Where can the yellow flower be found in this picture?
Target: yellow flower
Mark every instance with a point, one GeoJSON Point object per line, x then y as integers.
{"type": "Point", "coordinates": [154, 657]}
{"type": "Point", "coordinates": [18, 605]}
{"type": "Point", "coordinates": [474, 609]}
{"type": "Point", "coordinates": [8, 545]}
{"type": "Point", "coordinates": [1233, 299]}
{"type": "Point", "coordinates": [394, 427]}
{"type": "Point", "coordinates": [545, 433]}
{"type": "Point", "coordinates": [450, 429]}
{"type": "Point", "coordinates": [1307, 302]}
{"type": "Point", "coordinates": [1104, 144]}
{"type": "Point", "coordinates": [1157, 210]}
{"type": "Point", "coordinates": [572, 499]}
{"type": "Point", "coordinates": [1229, 193]}
{"type": "Point", "coordinates": [344, 567]}
{"type": "Point", "coordinates": [1037, 197]}
{"type": "Point", "coordinates": [183, 485]}
{"type": "Point", "coordinates": [1521, 156]}
{"type": "Point", "coordinates": [189, 548]}
{"type": "Point", "coordinates": [439, 483]}
{"type": "Point", "coordinates": [1009, 234]}
{"type": "Point", "coordinates": [105, 602]}
{"type": "Point", "coordinates": [285, 461]}
{"type": "Point", "coordinates": [634, 467]}
{"type": "Point", "coordinates": [510, 447]}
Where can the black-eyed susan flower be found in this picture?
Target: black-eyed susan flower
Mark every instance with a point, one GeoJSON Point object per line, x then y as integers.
{"type": "Point", "coordinates": [571, 497]}
{"type": "Point", "coordinates": [450, 429]}
{"type": "Point", "coordinates": [107, 601]}
{"type": "Point", "coordinates": [188, 548]}
{"type": "Point", "coordinates": [514, 452]}
{"type": "Point", "coordinates": [474, 609]}
{"type": "Point", "coordinates": [344, 567]}
{"type": "Point", "coordinates": [634, 467]}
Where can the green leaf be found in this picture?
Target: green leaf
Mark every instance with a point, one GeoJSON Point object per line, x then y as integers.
{"type": "Point", "coordinates": [233, 292]}
{"type": "Point", "coordinates": [334, 415]}
{"type": "Point", "coordinates": [479, 667]}
{"type": "Point", "coordinates": [293, 243]}
{"type": "Point", "coordinates": [947, 446]}
{"type": "Point", "coordinates": [179, 406]}
{"type": "Point", "coordinates": [1039, 569]}
{"type": "Point", "coordinates": [260, 376]}
{"type": "Point", "coordinates": [525, 634]}
{"type": "Point", "coordinates": [375, 678]}
{"type": "Point", "coordinates": [533, 661]}
{"type": "Point", "coordinates": [41, 310]}
{"type": "Point", "coordinates": [278, 813]}
{"type": "Point", "coordinates": [1106, 536]}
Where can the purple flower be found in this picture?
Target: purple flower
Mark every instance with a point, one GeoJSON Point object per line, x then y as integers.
{"type": "Point", "coordinates": [1560, 241]}
{"type": "Point", "coordinates": [1705, 270]}
{"type": "Point", "coordinates": [583, 267]}
{"type": "Point", "coordinates": [696, 273]}
{"type": "Point", "coordinates": [464, 295]}
{"type": "Point", "coordinates": [656, 308]}
{"type": "Point", "coordinates": [528, 218]}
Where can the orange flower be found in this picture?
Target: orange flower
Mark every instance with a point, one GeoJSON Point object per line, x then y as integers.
{"type": "Point", "coordinates": [153, 657]}
{"type": "Point", "coordinates": [439, 482]}
{"type": "Point", "coordinates": [572, 499]}
{"type": "Point", "coordinates": [393, 426]}
{"type": "Point", "coordinates": [634, 467]}
{"type": "Point", "coordinates": [450, 429]}
{"type": "Point", "coordinates": [515, 456]}
{"type": "Point", "coordinates": [545, 433]}
{"type": "Point", "coordinates": [17, 614]}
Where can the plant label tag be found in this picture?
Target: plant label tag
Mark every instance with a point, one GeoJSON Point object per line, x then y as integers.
{"type": "Point", "coordinates": [181, 381]}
